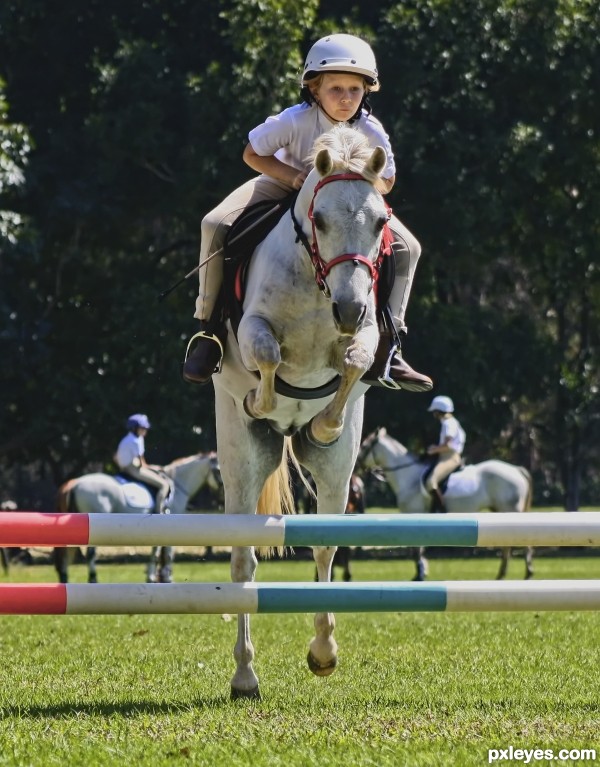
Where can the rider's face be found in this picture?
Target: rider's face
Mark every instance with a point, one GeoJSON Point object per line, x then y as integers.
{"type": "Point", "coordinates": [340, 95]}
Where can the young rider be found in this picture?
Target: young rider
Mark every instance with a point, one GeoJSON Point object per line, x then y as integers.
{"type": "Point", "coordinates": [448, 450]}
{"type": "Point", "coordinates": [339, 73]}
{"type": "Point", "coordinates": [131, 462]}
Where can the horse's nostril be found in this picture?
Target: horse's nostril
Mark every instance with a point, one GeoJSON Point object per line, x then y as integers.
{"type": "Point", "coordinates": [336, 312]}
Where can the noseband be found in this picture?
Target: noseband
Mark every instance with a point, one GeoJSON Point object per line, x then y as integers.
{"type": "Point", "coordinates": [321, 267]}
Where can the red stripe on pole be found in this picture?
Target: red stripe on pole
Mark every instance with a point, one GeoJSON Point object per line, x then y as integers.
{"type": "Point", "coordinates": [33, 599]}
{"type": "Point", "coordinates": [30, 528]}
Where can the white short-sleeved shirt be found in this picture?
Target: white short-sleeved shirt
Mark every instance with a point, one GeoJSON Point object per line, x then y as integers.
{"type": "Point", "coordinates": [291, 134]}
{"type": "Point", "coordinates": [130, 448]}
{"type": "Point", "coordinates": [452, 428]}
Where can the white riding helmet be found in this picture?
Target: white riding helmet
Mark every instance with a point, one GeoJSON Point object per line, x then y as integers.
{"type": "Point", "coordinates": [341, 53]}
{"type": "Point", "coordinates": [442, 404]}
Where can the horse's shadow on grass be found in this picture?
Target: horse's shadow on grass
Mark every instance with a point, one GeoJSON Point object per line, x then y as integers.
{"type": "Point", "coordinates": [128, 709]}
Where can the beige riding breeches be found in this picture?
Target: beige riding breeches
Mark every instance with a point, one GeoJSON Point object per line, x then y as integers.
{"type": "Point", "coordinates": [216, 223]}
{"type": "Point", "coordinates": [149, 477]}
{"type": "Point", "coordinates": [448, 461]}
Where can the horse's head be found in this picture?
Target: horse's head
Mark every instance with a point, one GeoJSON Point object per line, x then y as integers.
{"type": "Point", "coordinates": [380, 451]}
{"type": "Point", "coordinates": [347, 216]}
{"type": "Point", "coordinates": [367, 458]}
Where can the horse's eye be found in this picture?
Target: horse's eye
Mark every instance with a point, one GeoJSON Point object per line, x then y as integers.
{"type": "Point", "coordinates": [319, 222]}
{"type": "Point", "coordinates": [380, 223]}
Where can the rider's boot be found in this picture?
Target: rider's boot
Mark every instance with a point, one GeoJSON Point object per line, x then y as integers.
{"type": "Point", "coordinates": [390, 370]}
{"type": "Point", "coordinates": [437, 502]}
{"type": "Point", "coordinates": [207, 353]}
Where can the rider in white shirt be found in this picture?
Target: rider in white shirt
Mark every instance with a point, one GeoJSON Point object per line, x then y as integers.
{"type": "Point", "coordinates": [448, 450]}
{"type": "Point", "coordinates": [132, 463]}
{"type": "Point", "coordinates": [339, 74]}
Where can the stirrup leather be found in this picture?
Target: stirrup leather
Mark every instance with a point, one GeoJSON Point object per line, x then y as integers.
{"type": "Point", "coordinates": [210, 337]}
{"type": "Point", "coordinates": [385, 379]}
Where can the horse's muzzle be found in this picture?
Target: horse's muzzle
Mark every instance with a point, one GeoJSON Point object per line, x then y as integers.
{"type": "Point", "coordinates": [348, 317]}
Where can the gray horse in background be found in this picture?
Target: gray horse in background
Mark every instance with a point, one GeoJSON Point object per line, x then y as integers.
{"type": "Point", "coordinates": [102, 493]}
{"type": "Point", "coordinates": [494, 485]}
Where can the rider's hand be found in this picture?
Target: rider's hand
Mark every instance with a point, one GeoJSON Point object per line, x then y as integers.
{"type": "Point", "coordinates": [299, 179]}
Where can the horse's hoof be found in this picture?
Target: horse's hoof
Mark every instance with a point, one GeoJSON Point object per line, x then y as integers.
{"type": "Point", "coordinates": [93, 578]}
{"type": "Point", "coordinates": [251, 694]}
{"type": "Point", "coordinates": [308, 433]}
{"type": "Point", "coordinates": [319, 670]}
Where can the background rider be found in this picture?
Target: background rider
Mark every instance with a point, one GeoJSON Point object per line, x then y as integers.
{"type": "Point", "coordinates": [448, 450]}
{"type": "Point", "coordinates": [132, 463]}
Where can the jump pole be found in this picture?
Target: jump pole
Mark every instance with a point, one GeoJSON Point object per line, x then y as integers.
{"type": "Point", "coordinates": [489, 529]}
{"type": "Point", "coordinates": [211, 598]}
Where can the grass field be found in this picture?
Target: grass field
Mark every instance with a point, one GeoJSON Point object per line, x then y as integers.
{"type": "Point", "coordinates": [411, 689]}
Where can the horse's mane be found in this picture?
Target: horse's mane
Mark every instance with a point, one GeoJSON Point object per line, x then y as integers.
{"type": "Point", "coordinates": [188, 459]}
{"type": "Point", "coordinates": [348, 148]}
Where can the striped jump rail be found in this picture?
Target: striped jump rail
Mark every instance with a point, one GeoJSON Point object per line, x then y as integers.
{"type": "Point", "coordinates": [490, 529]}
{"type": "Point", "coordinates": [214, 598]}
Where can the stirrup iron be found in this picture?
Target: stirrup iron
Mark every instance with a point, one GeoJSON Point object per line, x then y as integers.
{"type": "Point", "coordinates": [385, 379]}
{"type": "Point", "coordinates": [212, 337]}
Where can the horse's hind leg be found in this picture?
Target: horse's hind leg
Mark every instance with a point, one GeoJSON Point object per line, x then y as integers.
{"type": "Point", "coordinates": [528, 563]}
{"type": "Point", "coordinates": [90, 558]}
{"type": "Point", "coordinates": [322, 653]}
{"type": "Point", "coordinates": [61, 564]}
{"type": "Point", "coordinates": [244, 683]}
{"type": "Point", "coordinates": [503, 563]}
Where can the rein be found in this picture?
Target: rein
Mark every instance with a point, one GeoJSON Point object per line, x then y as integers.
{"type": "Point", "coordinates": [321, 267]}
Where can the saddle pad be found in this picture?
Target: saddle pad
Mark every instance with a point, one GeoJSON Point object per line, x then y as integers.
{"type": "Point", "coordinates": [137, 496]}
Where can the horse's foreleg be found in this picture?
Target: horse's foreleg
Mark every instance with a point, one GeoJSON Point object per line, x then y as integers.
{"type": "Point", "coordinates": [327, 426]}
{"type": "Point", "coordinates": [260, 351]}
{"type": "Point", "coordinates": [244, 683]}
{"type": "Point", "coordinates": [165, 572]}
{"type": "Point", "coordinates": [528, 563]}
{"type": "Point", "coordinates": [152, 569]}
{"type": "Point", "coordinates": [503, 563]}
{"type": "Point", "coordinates": [421, 564]}
{"type": "Point", "coordinates": [322, 653]}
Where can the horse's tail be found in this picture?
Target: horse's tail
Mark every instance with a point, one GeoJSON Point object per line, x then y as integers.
{"type": "Point", "coordinates": [64, 497]}
{"type": "Point", "coordinates": [65, 502]}
{"type": "Point", "coordinates": [276, 496]}
{"type": "Point", "coordinates": [529, 496]}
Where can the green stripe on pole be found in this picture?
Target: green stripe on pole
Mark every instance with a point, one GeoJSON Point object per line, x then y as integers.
{"type": "Point", "coordinates": [380, 530]}
{"type": "Point", "coordinates": [350, 598]}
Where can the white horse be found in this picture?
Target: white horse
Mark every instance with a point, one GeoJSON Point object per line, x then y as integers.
{"type": "Point", "coordinates": [290, 381]}
{"type": "Point", "coordinates": [494, 485]}
{"type": "Point", "coordinates": [97, 493]}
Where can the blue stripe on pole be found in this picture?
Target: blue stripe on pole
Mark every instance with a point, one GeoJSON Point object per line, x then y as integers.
{"type": "Point", "coordinates": [379, 530]}
{"type": "Point", "coordinates": [350, 598]}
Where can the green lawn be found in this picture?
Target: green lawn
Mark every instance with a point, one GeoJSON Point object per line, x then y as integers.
{"type": "Point", "coordinates": [411, 689]}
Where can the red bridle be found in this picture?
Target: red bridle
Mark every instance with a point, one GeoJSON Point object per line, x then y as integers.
{"type": "Point", "coordinates": [321, 267]}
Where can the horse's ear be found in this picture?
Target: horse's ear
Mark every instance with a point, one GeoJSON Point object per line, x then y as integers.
{"type": "Point", "coordinates": [382, 431]}
{"type": "Point", "coordinates": [323, 162]}
{"type": "Point", "coordinates": [377, 161]}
